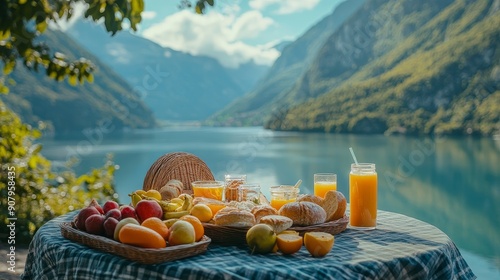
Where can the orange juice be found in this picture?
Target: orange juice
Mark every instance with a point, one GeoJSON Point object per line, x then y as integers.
{"type": "Point", "coordinates": [277, 203]}
{"type": "Point", "coordinates": [320, 188]}
{"type": "Point", "coordinates": [363, 196]}
{"type": "Point", "coordinates": [208, 189]}
{"type": "Point", "coordinates": [281, 195]}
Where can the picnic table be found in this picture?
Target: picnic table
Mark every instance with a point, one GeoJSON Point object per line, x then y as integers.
{"type": "Point", "coordinates": [400, 247]}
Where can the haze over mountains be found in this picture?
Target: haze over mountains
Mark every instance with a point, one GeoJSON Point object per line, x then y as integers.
{"type": "Point", "coordinates": [175, 85]}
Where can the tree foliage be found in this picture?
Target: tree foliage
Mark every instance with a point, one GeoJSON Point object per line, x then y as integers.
{"type": "Point", "coordinates": [29, 184]}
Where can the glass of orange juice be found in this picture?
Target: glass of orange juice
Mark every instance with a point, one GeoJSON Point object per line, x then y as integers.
{"type": "Point", "coordinates": [281, 195]}
{"type": "Point", "coordinates": [208, 189]}
{"type": "Point", "coordinates": [363, 196]}
{"type": "Point", "coordinates": [324, 182]}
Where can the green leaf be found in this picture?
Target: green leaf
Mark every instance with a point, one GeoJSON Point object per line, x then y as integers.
{"type": "Point", "coordinates": [9, 67]}
{"type": "Point", "coordinates": [4, 89]}
{"type": "Point", "coordinates": [210, 2]}
{"type": "Point", "coordinates": [21, 2]}
{"type": "Point", "coordinates": [137, 7]}
{"type": "Point", "coordinates": [42, 26]}
{"type": "Point", "coordinates": [72, 80]}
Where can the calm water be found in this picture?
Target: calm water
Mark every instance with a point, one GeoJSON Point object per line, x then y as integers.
{"type": "Point", "coordinates": [453, 184]}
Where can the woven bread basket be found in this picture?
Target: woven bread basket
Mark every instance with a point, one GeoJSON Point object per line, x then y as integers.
{"type": "Point", "coordinates": [181, 166]}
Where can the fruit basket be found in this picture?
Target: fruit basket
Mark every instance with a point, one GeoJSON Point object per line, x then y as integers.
{"type": "Point", "coordinates": [137, 254]}
{"type": "Point", "coordinates": [224, 235]}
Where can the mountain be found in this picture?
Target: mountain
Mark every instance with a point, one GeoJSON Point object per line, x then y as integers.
{"type": "Point", "coordinates": [294, 60]}
{"type": "Point", "coordinates": [108, 103]}
{"type": "Point", "coordinates": [420, 67]}
{"type": "Point", "coordinates": [175, 85]}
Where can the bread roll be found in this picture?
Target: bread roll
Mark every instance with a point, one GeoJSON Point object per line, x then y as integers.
{"type": "Point", "coordinates": [172, 189]}
{"type": "Point", "coordinates": [242, 205]}
{"type": "Point", "coordinates": [260, 211]}
{"type": "Point", "coordinates": [334, 204]}
{"type": "Point", "coordinates": [303, 213]}
{"type": "Point", "coordinates": [234, 217]}
{"type": "Point", "coordinates": [277, 222]}
{"type": "Point", "coordinates": [342, 205]}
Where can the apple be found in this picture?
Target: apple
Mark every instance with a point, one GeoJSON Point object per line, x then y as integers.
{"type": "Point", "coordinates": [109, 226]}
{"type": "Point", "coordinates": [96, 205]}
{"type": "Point", "coordinates": [121, 224]}
{"type": "Point", "coordinates": [110, 204]}
{"type": "Point", "coordinates": [94, 224]}
{"type": "Point", "coordinates": [128, 211]}
{"type": "Point", "coordinates": [115, 213]}
{"type": "Point", "coordinates": [83, 215]}
{"type": "Point", "coordinates": [147, 209]}
{"type": "Point", "coordinates": [181, 232]}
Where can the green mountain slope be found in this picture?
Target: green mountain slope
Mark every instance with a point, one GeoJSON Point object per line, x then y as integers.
{"type": "Point", "coordinates": [442, 78]}
{"type": "Point", "coordinates": [292, 63]}
{"type": "Point", "coordinates": [109, 102]}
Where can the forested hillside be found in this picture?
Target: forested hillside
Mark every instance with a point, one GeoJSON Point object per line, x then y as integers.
{"type": "Point", "coordinates": [441, 79]}
{"type": "Point", "coordinates": [109, 100]}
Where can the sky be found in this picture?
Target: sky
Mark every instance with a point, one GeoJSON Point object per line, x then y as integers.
{"type": "Point", "coordinates": [234, 31]}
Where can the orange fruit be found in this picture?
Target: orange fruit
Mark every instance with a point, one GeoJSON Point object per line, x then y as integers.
{"type": "Point", "coordinates": [202, 212]}
{"type": "Point", "coordinates": [140, 236]}
{"type": "Point", "coordinates": [318, 243]}
{"type": "Point", "coordinates": [289, 243]}
{"type": "Point", "coordinates": [215, 208]}
{"type": "Point", "coordinates": [199, 230]}
{"type": "Point", "coordinates": [157, 225]}
{"type": "Point", "coordinates": [290, 232]}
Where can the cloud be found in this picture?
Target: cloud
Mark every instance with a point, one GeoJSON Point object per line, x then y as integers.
{"type": "Point", "coordinates": [148, 15]}
{"type": "Point", "coordinates": [64, 24]}
{"type": "Point", "coordinates": [216, 35]}
{"type": "Point", "coordinates": [284, 7]}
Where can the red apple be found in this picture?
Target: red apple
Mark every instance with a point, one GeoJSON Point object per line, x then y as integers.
{"type": "Point", "coordinates": [128, 212]}
{"type": "Point", "coordinates": [115, 213]}
{"type": "Point", "coordinates": [110, 204]}
{"type": "Point", "coordinates": [96, 205]}
{"type": "Point", "coordinates": [110, 226]}
{"type": "Point", "coordinates": [83, 215]}
{"type": "Point", "coordinates": [95, 224]}
{"type": "Point", "coordinates": [147, 209]}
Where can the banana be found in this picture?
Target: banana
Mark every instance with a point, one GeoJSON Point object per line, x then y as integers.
{"type": "Point", "coordinates": [171, 215]}
{"type": "Point", "coordinates": [168, 206]}
{"type": "Point", "coordinates": [177, 201]}
{"type": "Point", "coordinates": [135, 198]}
{"type": "Point", "coordinates": [187, 204]}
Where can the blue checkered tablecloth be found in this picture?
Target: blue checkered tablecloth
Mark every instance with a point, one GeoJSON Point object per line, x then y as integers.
{"type": "Point", "coordinates": [400, 248]}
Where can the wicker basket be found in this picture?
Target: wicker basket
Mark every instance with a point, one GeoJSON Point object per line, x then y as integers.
{"type": "Point", "coordinates": [181, 166]}
{"type": "Point", "coordinates": [223, 235]}
{"type": "Point", "coordinates": [140, 255]}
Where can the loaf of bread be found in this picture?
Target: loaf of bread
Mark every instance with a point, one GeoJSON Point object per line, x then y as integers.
{"type": "Point", "coordinates": [260, 211]}
{"type": "Point", "coordinates": [277, 222]}
{"type": "Point", "coordinates": [303, 213]}
{"type": "Point", "coordinates": [172, 189]}
{"type": "Point", "coordinates": [334, 204]}
{"type": "Point", "coordinates": [234, 217]}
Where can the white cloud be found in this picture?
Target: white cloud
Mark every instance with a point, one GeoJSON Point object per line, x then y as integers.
{"type": "Point", "coordinates": [215, 35]}
{"type": "Point", "coordinates": [63, 24]}
{"type": "Point", "coordinates": [148, 15]}
{"type": "Point", "coordinates": [284, 7]}
{"type": "Point", "coordinates": [119, 52]}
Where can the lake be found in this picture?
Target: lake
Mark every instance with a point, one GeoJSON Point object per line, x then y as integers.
{"type": "Point", "coordinates": [451, 183]}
